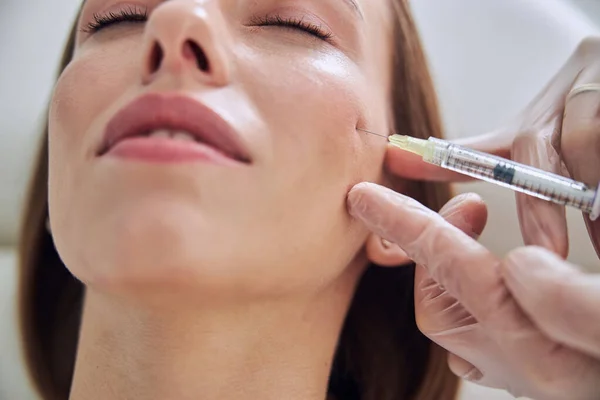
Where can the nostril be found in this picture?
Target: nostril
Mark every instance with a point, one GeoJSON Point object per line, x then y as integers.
{"type": "Point", "coordinates": [156, 57]}
{"type": "Point", "coordinates": [199, 54]}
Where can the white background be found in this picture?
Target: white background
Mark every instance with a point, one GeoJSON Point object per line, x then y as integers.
{"type": "Point", "coordinates": [489, 57]}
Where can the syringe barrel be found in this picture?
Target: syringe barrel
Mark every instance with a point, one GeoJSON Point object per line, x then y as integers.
{"type": "Point", "coordinates": [519, 177]}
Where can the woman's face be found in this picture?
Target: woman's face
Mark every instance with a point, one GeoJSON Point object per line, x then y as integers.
{"type": "Point", "coordinates": [289, 81]}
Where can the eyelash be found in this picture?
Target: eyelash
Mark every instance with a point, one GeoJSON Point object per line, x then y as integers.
{"type": "Point", "coordinates": [294, 23]}
{"type": "Point", "coordinates": [112, 18]}
{"type": "Point", "coordinates": [141, 15]}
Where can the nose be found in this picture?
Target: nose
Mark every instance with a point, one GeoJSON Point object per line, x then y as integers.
{"type": "Point", "coordinates": [187, 37]}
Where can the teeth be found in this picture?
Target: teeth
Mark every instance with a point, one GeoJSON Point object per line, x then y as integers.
{"type": "Point", "coordinates": [162, 133]}
{"type": "Point", "coordinates": [175, 135]}
{"type": "Point", "coordinates": [183, 136]}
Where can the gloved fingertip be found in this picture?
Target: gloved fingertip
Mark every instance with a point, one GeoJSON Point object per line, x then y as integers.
{"type": "Point", "coordinates": [355, 200]}
{"type": "Point", "coordinates": [361, 186]}
{"type": "Point", "coordinates": [457, 201]}
{"type": "Point", "coordinates": [361, 197]}
{"type": "Point", "coordinates": [529, 255]}
{"type": "Point", "coordinates": [519, 270]}
{"type": "Point", "coordinates": [530, 264]}
{"type": "Point", "coordinates": [464, 369]}
{"type": "Point", "coordinates": [366, 199]}
{"type": "Point", "coordinates": [521, 256]}
{"type": "Point", "coordinates": [473, 375]}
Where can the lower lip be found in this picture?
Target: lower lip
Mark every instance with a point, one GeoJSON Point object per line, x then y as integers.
{"type": "Point", "coordinates": [163, 150]}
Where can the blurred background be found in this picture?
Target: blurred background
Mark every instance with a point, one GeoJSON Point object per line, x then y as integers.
{"type": "Point", "coordinates": [488, 57]}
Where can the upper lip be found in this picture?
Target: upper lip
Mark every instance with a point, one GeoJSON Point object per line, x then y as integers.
{"type": "Point", "coordinates": [174, 112]}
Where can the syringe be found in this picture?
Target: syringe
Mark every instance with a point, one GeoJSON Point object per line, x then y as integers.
{"type": "Point", "coordinates": [519, 177]}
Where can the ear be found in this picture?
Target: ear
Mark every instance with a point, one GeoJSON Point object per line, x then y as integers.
{"type": "Point", "coordinates": [385, 253]}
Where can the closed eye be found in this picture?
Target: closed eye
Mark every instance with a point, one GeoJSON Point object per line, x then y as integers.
{"type": "Point", "coordinates": [294, 23]}
{"type": "Point", "coordinates": [140, 15]}
{"type": "Point", "coordinates": [129, 14]}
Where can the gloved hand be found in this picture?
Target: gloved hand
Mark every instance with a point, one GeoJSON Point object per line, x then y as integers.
{"type": "Point", "coordinates": [560, 127]}
{"type": "Point", "coordinates": [529, 323]}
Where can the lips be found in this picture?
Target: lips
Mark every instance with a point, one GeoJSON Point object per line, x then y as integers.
{"type": "Point", "coordinates": [174, 113]}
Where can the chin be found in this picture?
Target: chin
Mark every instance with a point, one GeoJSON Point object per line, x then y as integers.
{"type": "Point", "coordinates": [168, 245]}
{"type": "Point", "coordinates": [154, 247]}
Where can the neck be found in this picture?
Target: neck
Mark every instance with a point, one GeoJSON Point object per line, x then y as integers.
{"type": "Point", "coordinates": [278, 350]}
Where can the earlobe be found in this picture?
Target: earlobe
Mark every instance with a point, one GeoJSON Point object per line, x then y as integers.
{"type": "Point", "coordinates": [385, 253]}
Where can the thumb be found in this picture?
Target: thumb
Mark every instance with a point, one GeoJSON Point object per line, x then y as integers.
{"type": "Point", "coordinates": [560, 299]}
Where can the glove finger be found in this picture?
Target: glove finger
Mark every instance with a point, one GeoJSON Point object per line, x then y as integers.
{"type": "Point", "coordinates": [542, 223]}
{"type": "Point", "coordinates": [467, 212]}
{"type": "Point", "coordinates": [464, 369]}
{"type": "Point", "coordinates": [436, 310]}
{"type": "Point", "coordinates": [580, 140]}
{"type": "Point", "coordinates": [467, 270]}
{"type": "Point", "coordinates": [442, 318]}
{"type": "Point", "coordinates": [561, 300]}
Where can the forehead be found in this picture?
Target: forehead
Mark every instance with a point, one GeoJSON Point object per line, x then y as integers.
{"type": "Point", "coordinates": [374, 9]}
{"type": "Point", "coordinates": [380, 10]}
{"type": "Point", "coordinates": [379, 19]}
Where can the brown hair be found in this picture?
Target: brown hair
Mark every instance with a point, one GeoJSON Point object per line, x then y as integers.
{"type": "Point", "coordinates": [381, 354]}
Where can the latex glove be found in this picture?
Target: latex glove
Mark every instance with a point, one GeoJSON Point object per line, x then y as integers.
{"type": "Point", "coordinates": [552, 130]}
{"type": "Point", "coordinates": [529, 323]}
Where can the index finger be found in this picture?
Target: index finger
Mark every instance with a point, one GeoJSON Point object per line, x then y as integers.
{"type": "Point", "coordinates": [580, 142]}
{"type": "Point", "coordinates": [465, 268]}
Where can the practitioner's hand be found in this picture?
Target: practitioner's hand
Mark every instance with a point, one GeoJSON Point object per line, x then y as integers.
{"type": "Point", "coordinates": [529, 323]}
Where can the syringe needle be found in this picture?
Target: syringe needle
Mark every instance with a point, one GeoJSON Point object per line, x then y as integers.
{"type": "Point", "coordinates": [372, 133]}
{"type": "Point", "coordinates": [414, 145]}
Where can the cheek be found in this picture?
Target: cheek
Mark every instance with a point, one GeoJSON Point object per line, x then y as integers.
{"type": "Point", "coordinates": [313, 105]}
{"type": "Point", "coordinates": [92, 82]}
{"type": "Point", "coordinates": [82, 98]}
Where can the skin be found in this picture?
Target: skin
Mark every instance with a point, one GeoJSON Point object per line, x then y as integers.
{"type": "Point", "coordinates": [203, 279]}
